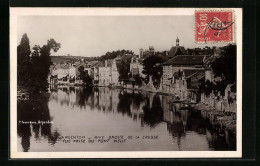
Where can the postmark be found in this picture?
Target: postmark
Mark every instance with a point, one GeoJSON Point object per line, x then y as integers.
{"type": "Point", "coordinates": [214, 26]}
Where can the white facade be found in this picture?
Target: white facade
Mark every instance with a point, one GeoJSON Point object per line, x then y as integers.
{"type": "Point", "coordinates": [104, 76]}
{"type": "Point", "coordinates": [168, 72]}
{"type": "Point", "coordinates": [135, 64]}
{"type": "Point", "coordinates": [209, 75]}
{"type": "Point", "coordinates": [72, 72]}
{"type": "Point", "coordinates": [114, 73]}
{"type": "Point", "coordinates": [108, 75]}
{"type": "Point", "coordinates": [60, 72]}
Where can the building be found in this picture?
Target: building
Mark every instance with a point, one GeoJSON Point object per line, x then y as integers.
{"type": "Point", "coordinates": [136, 66]}
{"type": "Point", "coordinates": [114, 73]}
{"type": "Point", "coordinates": [90, 68]}
{"type": "Point", "coordinates": [108, 75]}
{"type": "Point", "coordinates": [146, 53]}
{"type": "Point", "coordinates": [61, 72]}
{"type": "Point", "coordinates": [185, 83]}
{"type": "Point", "coordinates": [74, 71]}
{"type": "Point", "coordinates": [177, 50]}
{"type": "Point", "coordinates": [179, 63]}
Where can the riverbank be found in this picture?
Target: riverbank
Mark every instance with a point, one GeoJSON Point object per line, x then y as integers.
{"type": "Point", "coordinates": [224, 120]}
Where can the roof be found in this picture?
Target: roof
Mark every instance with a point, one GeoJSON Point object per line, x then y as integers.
{"type": "Point", "coordinates": [185, 60]}
{"type": "Point", "coordinates": [66, 66]}
{"type": "Point", "coordinates": [127, 56]}
{"type": "Point", "coordinates": [78, 64]}
{"type": "Point", "coordinates": [188, 73]}
{"type": "Point", "coordinates": [92, 63]}
{"type": "Point", "coordinates": [177, 50]}
{"type": "Point", "coordinates": [57, 66]}
{"type": "Point", "coordinates": [99, 64]}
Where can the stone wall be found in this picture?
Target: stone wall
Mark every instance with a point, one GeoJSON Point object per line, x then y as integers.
{"type": "Point", "coordinates": [219, 103]}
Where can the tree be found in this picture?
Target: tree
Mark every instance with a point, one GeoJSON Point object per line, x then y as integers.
{"type": "Point", "coordinates": [152, 67]}
{"type": "Point", "coordinates": [138, 80]}
{"type": "Point", "coordinates": [124, 68]}
{"type": "Point", "coordinates": [225, 65]}
{"type": "Point", "coordinates": [206, 86]}
{"type": "Point", "coordinates": [35, 79]}
{"type": "Point", "coordinates": [40, 65]}
{"type": "Point", "coordinates": [85, 77]}
{"type": "Point", "coordinates": [23, 61]}
{"type": "Point", "coordinates": [114, 54]}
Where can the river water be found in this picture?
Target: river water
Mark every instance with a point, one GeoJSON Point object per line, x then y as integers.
{"type": "Point", "coordinates": [103, 119]}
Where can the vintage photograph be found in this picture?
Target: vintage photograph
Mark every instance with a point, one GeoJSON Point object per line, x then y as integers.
{"type": "Point", "coordinates": [127, 82]}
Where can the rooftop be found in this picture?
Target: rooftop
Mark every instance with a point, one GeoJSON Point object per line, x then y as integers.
{"type": "Point", "coordinates": [177, 50]}
{"type": "Point", "coordinates": [186, 60]}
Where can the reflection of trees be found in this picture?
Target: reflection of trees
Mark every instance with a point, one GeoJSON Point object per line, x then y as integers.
{"type": "Point", "coordinates": [137, 99]}
{"type": "Point", "coordinates": [196, 123]}
{"type": "Point", "coordinates": [154, 115]}
{"type": "Point", "coordinates": [84, 96]}
{"type": "Point", "coordinates": [33, 111]}
{"type": "Point", "coordinates": [123, 105]}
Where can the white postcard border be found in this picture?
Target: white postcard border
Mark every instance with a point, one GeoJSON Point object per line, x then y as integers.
{"type": "Point", "coordinates": [15, 12]}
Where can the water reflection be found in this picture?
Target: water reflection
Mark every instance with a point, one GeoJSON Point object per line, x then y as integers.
{"type": "Point", "coordinates": [102, 111]}
{"type": "Point", "coordinates": [34, 116]}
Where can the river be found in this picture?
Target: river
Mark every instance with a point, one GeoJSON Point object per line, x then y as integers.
{"type": "Point", "coordinates": [104, 119]}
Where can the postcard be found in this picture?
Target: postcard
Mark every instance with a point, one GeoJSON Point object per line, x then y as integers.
{"type": "Point", "coordinates": [125, 82]}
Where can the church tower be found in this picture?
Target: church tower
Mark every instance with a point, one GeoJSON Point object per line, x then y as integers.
{"type": "Point", "coordinates": [177, 41]}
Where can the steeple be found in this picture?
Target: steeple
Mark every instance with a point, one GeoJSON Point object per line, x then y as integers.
{"type": "Point", "coordinates": [177, 41]}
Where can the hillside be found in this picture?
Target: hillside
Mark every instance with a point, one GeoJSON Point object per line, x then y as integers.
{"type": "Point", "coordinates": [63, 59]}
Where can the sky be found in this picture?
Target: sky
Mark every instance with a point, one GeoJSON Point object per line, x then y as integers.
{"type": "Point", "coordinates": [95, 35]}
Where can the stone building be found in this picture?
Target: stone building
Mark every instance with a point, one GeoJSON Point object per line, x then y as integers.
{"type": "Point", "coordinates": [108, 75]}
{"type": "Point", "coordinates": [176, 50]}
{"type": "Point", "coordinates": [146, 53]}
{"type": "Point", "coordinates": [136, 66]}
{"type": "Point", "coordinates": [180, 63]}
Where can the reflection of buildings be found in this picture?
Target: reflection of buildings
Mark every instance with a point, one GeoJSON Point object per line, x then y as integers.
{"type": "Point", "coordinates": [145, 109]}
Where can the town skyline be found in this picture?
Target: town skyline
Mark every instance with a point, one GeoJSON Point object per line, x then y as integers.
{"type": "Point", "coordinates": [93, 36]}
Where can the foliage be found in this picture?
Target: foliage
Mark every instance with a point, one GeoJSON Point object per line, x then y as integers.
{"type": "Point", "coordinates": [33, 71]}
{"type": "Point", "coordinates": [138, 80]}
{"type": "Point", "coordinates": [113, 54]}
{"type": "Point", "coordinates": [152, 67]}
{"type": "Point", "coordinates": [220, 86]}
{"type": "Point", "coordinates": [206, 86]}
{"type": "Point", "coordinates": [225, 65]}
{"type": "Point", "coordinates": [23, 61]}
{"type": "Point", "coordinates": [123, 67]}
{"type": "Point", "coordinates": [201, 51]}
{"type": "Point", "coordinates": [154, 115]}
{"type": "Point", "coordinates": [85, 77]}
{"type": "Point", "coordinates": [234, 87]}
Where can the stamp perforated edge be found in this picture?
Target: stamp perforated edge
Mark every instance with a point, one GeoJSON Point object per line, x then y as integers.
{"type": "Point", "coordinates": [215, 42]}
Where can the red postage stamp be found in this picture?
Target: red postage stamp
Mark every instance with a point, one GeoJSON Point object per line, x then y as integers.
{"type": "Point", "coordinates": [214, 26]}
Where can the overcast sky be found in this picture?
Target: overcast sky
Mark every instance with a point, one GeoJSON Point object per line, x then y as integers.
{"type": "Point", "coordinates": [95, 35]}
